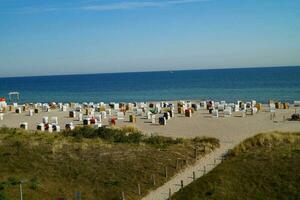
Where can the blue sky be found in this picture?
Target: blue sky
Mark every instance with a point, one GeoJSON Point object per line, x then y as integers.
{"type": "Point", "coordinates": [94, 36]}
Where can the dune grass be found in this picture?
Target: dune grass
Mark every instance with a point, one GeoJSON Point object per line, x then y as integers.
{"type": "Point", "coordinates": [101, 164]}
{"type": "Point", "coordinates": [263, 167]}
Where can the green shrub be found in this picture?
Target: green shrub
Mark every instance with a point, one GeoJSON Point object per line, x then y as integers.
{"type": "Point", "coordinates": [33, 184]}
{"type": "Point", "coordinates": [162, 142]}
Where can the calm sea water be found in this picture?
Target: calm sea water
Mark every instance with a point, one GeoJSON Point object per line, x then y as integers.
{"type": "Point", "coordinates": [262, 84]}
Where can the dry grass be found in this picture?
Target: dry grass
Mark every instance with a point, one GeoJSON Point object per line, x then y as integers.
{"type": "Point", "coordinates": [264, 167]}
{"type": "Point", "coordinates": [56, 165]}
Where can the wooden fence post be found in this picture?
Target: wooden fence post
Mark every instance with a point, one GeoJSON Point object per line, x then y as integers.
{"type": "Point", "coordinates": [123, 196]}
{"type": "Point", "coordinates": [166, 172]}
{"type": "Point", "coordinates": [196, 153]}
{"type": "Point", "coordinates": [177, 164]}
{"type": "Point", "coordinates": [153, 178]}
{"type": "Point", "coordinates": [139, 189]}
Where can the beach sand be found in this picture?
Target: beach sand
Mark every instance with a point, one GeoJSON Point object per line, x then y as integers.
{"type": "Point", "coordinates": [227, 129]}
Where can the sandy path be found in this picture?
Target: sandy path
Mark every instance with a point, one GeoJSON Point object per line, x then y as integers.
{"type": "Point", "coordinates": [162, 193]}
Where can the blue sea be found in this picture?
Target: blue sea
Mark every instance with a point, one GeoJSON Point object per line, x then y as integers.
{"type": "Point", "coordinates": [262, 84]}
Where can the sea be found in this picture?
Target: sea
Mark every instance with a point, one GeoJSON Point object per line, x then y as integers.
{"type": "Point", "coordinates": [261, 84]}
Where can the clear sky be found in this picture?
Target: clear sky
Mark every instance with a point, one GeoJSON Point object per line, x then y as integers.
{"type": "Point", "coordinates": [94, 36]}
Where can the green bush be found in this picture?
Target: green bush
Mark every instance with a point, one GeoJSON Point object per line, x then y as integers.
{"type": "Point", "coordinates": [33, 184]}
{"type": "Point", "coordinates": [162, 142]}
{"type": "Point", "coordinates": [121, 135]}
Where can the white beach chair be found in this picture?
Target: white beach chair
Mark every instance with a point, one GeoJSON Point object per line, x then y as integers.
{"type": "Point", "coordinates": [149, 115]}
{"type": "Point", "coordinates": [18, 110]}
{"type": "Point", "coordinates": [45, 120]}
{"type": "Point", "coordinates": [80, 117]}
{"type": "Point", "coordinates": [50, 128]}
{"type": "Point", "coordinates": [108, 111]}
{"type": "Point", "coordinates": [99, 118]}
{"type": "Point", "coordinates": [55, 128]}
{"type": "Point", "coordinates": [221, 107]}
{"type": "Point", "coordinates": [227, 112]}
{"type": "Point", "coordinates": [40, 127]}
{"type": "Point", "coordinates": [272, 107]}
{"type": "Point", "coordinates": [215, 113]}
{"type": "Point", "coordinates": [120, 115]}
{"type": "Point", "coordinates": [86, 121]}
{"type": "Point", "coordinates": [239, 114]}
{"type": "Point", "coordinates": [236, 108]}
{"type": "Point", "coordinates": [254, 110]}
{"type": "Point", "coordinates": [30, 112]}
{"type": "Point", "coordinates": [153, 119]}
{"type": "Point", "coordinates": [70, 126]}
{"type": "Point", "coordinates": [24, 125]}
{"type": "Point", "coordinates": [139, 112]}
{"type": "Point", "coordinates": [297, 103]}
{"type": "Point", "coordinates": [103, 114]}
{"type": "Point", "coordinates": [97, 125]}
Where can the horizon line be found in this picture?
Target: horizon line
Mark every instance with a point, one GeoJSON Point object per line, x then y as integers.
{"type": "Point", "coordinates": [176, 70]}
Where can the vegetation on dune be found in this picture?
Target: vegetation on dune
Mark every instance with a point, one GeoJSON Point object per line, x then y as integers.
{"type": "Point", "coordinates": [263, 167]}
{"type": "Point", "coordinates": [99, 163]}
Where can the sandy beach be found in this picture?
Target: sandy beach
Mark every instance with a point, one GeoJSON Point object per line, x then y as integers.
{"type": "Point", "coordinates": [227, 129]}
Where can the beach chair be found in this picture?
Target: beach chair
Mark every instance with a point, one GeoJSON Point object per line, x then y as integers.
{"type": "Point", "coordinates": [1, 116]}
{"type": "Point", "coordinates": [215, 113]}
{"type": "Point", "coordinates": [149, 115]}
{"type": "Point", "coordinates": [69, 126]}
{"type": "Point", "coordinates": [45, 108]}
{"type": "Point", "coordinates": [221, 107]}
{"type": "Point", "coordinates": [153, 119]}
{"type": "Point", "coordinates": [18, 110]}
{"type": "Point", "coordinates": [72, 114]}
{"type": "Point", "coordinates": [103, 114]}
{"type": "Point", "coordinates": [272, 107]}
{"type": "Point", "coordinates": [30, 112]}
{"type": "Point", "coordinates": [120, 115]}
{"type": "Point", "coordinates": [195, 106]}
{"type": "Point", "coordinates": [80, 117]}
{"type": "Point", "coordinates": [188, 112]}
{"type": "Point", "coordinates": [139, 112]}
{"type": "Point", "coordinates": [93, 120]}
{"type": "Point", "coordinates": [162, 121]}
{"type": "Point", "coordinates": [40, 127]}
{"type": "Point", "coordinates": [50, 128]}
{"type": "Point", "coordinates": [99, 118]}
{"type": "Point", "coordinates": [227, 112]}
{"type": "Point", "coordinates": [203, 105]}
{"type": "Point", "coordinates": [171, 113]}
{"type": "Point", "coordinates": [132, 118]}
{"type": "Point", "coordinates": [297, 103]}
{"type": "Point", "coordinates": [45, 120]}
{"type": "Point", "coordinates": [112, 121]}
{"type": "Point", "coordinates": [55, 128]}
{"type": "Point", "coordinates": [108, 111]}
{"type": "Point", "coordinates": [24, 125]}
{"type": "Point", "coordinates": [86, 121]}
{"type": "Point", "coordinates": [97, 125]}
{"type": "Point", "coordinates": [240, 114]}
{"type": "Point", "coordinates": [167, 115]}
